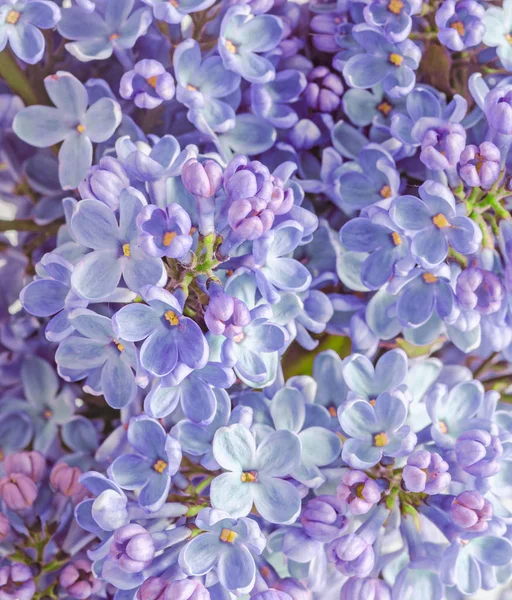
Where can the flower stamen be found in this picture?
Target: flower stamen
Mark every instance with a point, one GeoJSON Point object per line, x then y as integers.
{"type": "Point", "coordinates": [248, 477]}
{"type": "Point", "coordinates": [172, 317]}
{"type": "Point", "coordinates": [228, 536]}
{"type": "Point", "coordinates": [381, 439]}
{"type": "Point", "coordinates": [13, 17]}
{"type": "Point", "coordinates": [230, 46]}
{"type": "Point", "coordinates": [126, 250]}
{"type": "Point", "coordinates": [160, 466]}
{"type": "Point", "coordinates": [395, 6]}
{"type": "Point", "coordinates": [168, 238]}
{"type": "Point", "coordinates": [440, 221]}
{"type": "Point", "coordinates": [396, 59]}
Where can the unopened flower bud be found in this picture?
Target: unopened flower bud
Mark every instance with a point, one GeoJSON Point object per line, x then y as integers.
{"type": "Point", "coordinates": [18, 491]}
{"type": "Point", "coordinates": [31, 464]}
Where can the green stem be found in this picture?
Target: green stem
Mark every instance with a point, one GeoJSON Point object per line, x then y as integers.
{"type": "Point", "coordinates": [485, 365]}
{"type": "Point", "coordinates": [204, 484]}
{"type": "Point", "coordinates": [15, 77]}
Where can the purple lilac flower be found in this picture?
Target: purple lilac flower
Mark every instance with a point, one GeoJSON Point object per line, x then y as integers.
{"type": "Point", "coordinates": [324, 27]}
{"type": "Point", "coordinates": [105, 182]}
{"type": "Point", "coordinates": [132, 548]}
{"type": "Point", "coordinates": [324, 90]}
{"type": "Point", "coordinates": [498, 109]}
{"type": "Point", "coordinates": [394, 16]}
{"type": "Point", "coordinates": [358, 492]}
{"type": "Point", "coordinates": [323, 519]}
{"type": "Point", "coordinates": [481, 290]}
{"type": "Point", "coordinates": [460, 24]}
{"type": "Point", "coordinates": [367, 588]}
{"type": "Point", "coordinates": [426, 472]}
{"type": "Point", "coordinates": [164, 231]}
{"type": "Point", "coordinates": [32, 464]}
{"type": "Point", "coordinates": [480, 165]}
{"type": "Point", "coordinates": [174, 13]}
{"type": "Point", "coordinates": [17, 582]}
{"type": "Point", "coordinates": [18, 491]}
{"type": "Point", "coordinates": [148, 84]}
{"type": "Point", "coordinates": [66, 479]}
{"type": "Point", "coordinates": [471, 511]}
{"type": "Point", "coordinates": [226, 315]}
{"type": "Point", "coordinates": [203, 180]}
{"type": "Point", "coordinates": [77, 579]}
{"type": "Point", "coordinates": [478, 451]}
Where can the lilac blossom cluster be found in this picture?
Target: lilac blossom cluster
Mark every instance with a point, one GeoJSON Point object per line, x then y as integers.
{"type": "Point", "coordinates": [256, 312]}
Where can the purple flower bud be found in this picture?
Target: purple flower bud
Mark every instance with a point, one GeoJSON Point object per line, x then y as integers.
{"type": "Point", "coordinates": [186, 589]}
{"type": "Point", "coordinates": [18, 491]}
{"type": "Point", "coordinates": [132, 548]}
{"type": "Point", "coordinates": [16, 582]}
{"type": "Point", "coordinates": [358, 492]}
{"type": "Point", "coordinates": [105, 182]}
{"type": "Point", "coordinates": [148, 84]}
{"type": "Point", "coordinates": [5, 527]}
{"type": "Point", "coordinates": [323, 90]}
{"type": "Point", "coordinates": [201, 179]}
{"type": "Point", "coordinates": [271, 594]}
{"type": "Point", "coordinates": [153, 589]}
{"type": "Point", "coordinates": [498, 109]}
{"type": "Point", "coordinates": [442, 145]}
{"type": "Point", "coordinates": [31, 464]}
{"type": "Point", "coordinates": [426, 472]}
{"type": "Point", "coordinates": [365, 589]}
{"type": "Point", "coordinates": [295, 589]}
{"type": "Point", "coordinates": [324, 28]}
{"type": "Point", "coordinates": [477, 453]}
{"type": "Point", "coordinates": [226, 315]}
{"type": "Point", "coordinates": [78, 581]}
{"type": "Point", "coordinates": [480, 165]}
{"type": "Point", "coordinates": [471, 511]}
{"type": "Point", "coordinates": [352, 555]}
{"type": "Point", "coordinates": [481, 290]}
{"type": "Point", "coordinates": [322, 519]}
{"type": "Point", "coordinates": [65, 479]}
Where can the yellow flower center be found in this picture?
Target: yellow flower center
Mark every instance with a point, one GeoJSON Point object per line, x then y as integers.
{"type": "Point", "coordinates": [12, 17]}
{"type": "Point", "coordinates": [120, 346]}
{"type": "Point", "coordinates": [508, 37]}
{"type": "Point", "coordinates": [168, 238]}
{"type": "Point", "coordinates": [359, 491]}
{"type": "Point", "coordinates": [332, 411]}
{"type": "Point", "coordinates": [395, 6]}
{"type": "Point", "coordinates": [239, 338]}
{"type": "Point", "coordinates": [396, 59]}
{"type": "Point", "coordinates": [175, 3]}
{"type": "Point", "coordinates": [230, 46]}
{"type": "Point", "coordinates": [385, 108]}
{"type": "Point", "coordinates": [80, 128]}
{"type": "Point", "coordinates": [459, 27]}
{"type": "Point", "coordinates": [228, 536]}
{"type": "Point", "coordinates": [443, 428]}
{"type": "Point", "coordinates": [385, 191]}
{"type": "Point", "coordinates": [47, 414]}
{"type": "Point", "coordinates": [381, 439]}
{"type": "Point", "coordinates": [160, 466]}
{"type": "Point", "coordinates": [191, 88]}
{"type": "Point", "coordinates": [172, 317]}
{"type": "Point", "coordinates": [248, 477]}
{"type": "Point", "coordinates": [429, 278]}
{"type": "Point", "coordinates": [440, 221]}
{"type": "Point", "coordinates": [152, 81]}
{"type": "Point", "coordinates": [126, 250]}
{"type": "Point", "coordinates": [373, 401]}
{"type": "Point", "coordinates": [397, 240]}
{"type": "Point", "coordinates": [113, 37]}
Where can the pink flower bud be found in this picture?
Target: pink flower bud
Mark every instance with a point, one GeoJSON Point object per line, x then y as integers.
{"type": "Point", "coordinates": [65, 479]}
{"type": "Point", "coordinates": [31, 464]}
{"type": "Point", "coordinates": [18, 491]}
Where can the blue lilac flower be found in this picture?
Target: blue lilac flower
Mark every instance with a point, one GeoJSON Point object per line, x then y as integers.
{"type": "Point", "coordinates": [255, 474]}
{"type": "Point", "coordinates": [272, 100]}
{"type": "Point", "coordinates": [20, 25]}
{"type": "Point", "coordinates": [480, 165]}
{"type": "Point", "coordinates": [107, 361]}
{"type": "Point", "coordinates": [324, 90]}
{"type": "Point", "coordinates": [357, 492]}
{"type": "Point", "coordinates": [426, 472]}
{"type": "Point", "coordinates": [394, 16]}
{"type": "Point", "coordinates": [169, 337]}
{"type": "Point", "coordinates": [148, 84]}
{"type": "Point", "coordinates": [105, 182]}
{"type": "Point", "coordinates": [174, 13]}
{"type": "Point", "coordinates": [460, 24]}
{"type": "Point", "coordinates": [498, 25]}
{"type": "Point", "coordinates": [164, 232]}
{"type": "Point", "coordinates": [96, 37]}
{"type": "Point", "coordinates": [70, 122]}
{"type": "Point", "coordinates": [17, 581]}
{"type": "Point", "coordinates": [323, 518]}
{"type": "Point", "coordinates": [480, 290]}
{"type": "Point", "coordinates": [157, 458]}
{"type": "Point", "coordinates": [478, 451]}
{"type": "Point", "coordinates": [471, 511]}
{"type": "Point", "coordinates": [227, 545]}
{"type": "Point", "coordinates": [242, 37]}
{"type": "Point", "coordinates": [357, 588]}
{"type": "Point", "coordinates": [206, 88]}
{"type": "Point", "coordinates": [380, 61]}
{"type": "Point", "coordinates": [435, 223]}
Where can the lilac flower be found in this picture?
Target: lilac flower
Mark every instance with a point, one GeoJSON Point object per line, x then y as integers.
{"type": "Point", "coordinates": [169, 337]}
{"type": "Point", "coordinates": [164, 232]}
{"type": "Point", "coordinates": [65, 479]}
{"type": "Point", "coordinates": [255, 474]}
{"type": "Point", "coordinates": [148, 84]}
{"type": "Point", "coordinates": [227, 545]}
{"type": "Point", "coordinates": [105, 182]}
{"type": "Point", "coordinates": [97, 353]}
{"type": "Point", "coordinates": [206, 88]}
{"type": "Point", "coordinates": [325, 27]}
{"type": "Point", "coordinates": [322, 518]}
{"type": "Point", "coordinates": [242, 37]}
{"type": "Point", "coordinates": [16, 431]}
{"type": "Point", "coordinates": [480, 165]}
{"type": "Point", "coordinates": [203, 181]}
{"type": "Point", "coordinates": [115, 251]}
{"type": "Point", "coordinates": [478, 451]}
{"type": "Point", "coordinates": [70, 122]}
{"type": "Point", "coordinates": [498, 108]}
{"type": "Point", "coordinates": [18, 491]}
{"type": "Point", "coordinates": [479, 290]}
{"type": "Point", "coordinates": [357, 492]}
{"type": "Point", "coordinates": [498, 25]}
{"type": "Point", "coordinates": [20, 24]}
{"type": "Point", "coordinates": [426, 472]}
{"type": "Point", "coordinates": [372, 179]}
{"type": "Point", "coordinates": [271, 101]}
{"type": "Point", "coordinates": [441, 143]}
{"type": "Point", "coordinates": [471, 511]}
{"type": "Point", "coordinates": [380, 61]}
{"type": "Point", "coordinates": [375, 431]}
{"type": "Point", "coordinates": [174, 13]}
{"type": "Point", "coordinates": [460, 24]}
{"type": "Point", "coordinates": [17, 582]}
{"type": "Point", "coordinates": [357, 588]}
{"type": "Point", "coordinates": [32, 464]}
{"type": "Point", "coordinates": [157, 458]}
{"type": "Point", "coordinates": [77, 579]}
{"type": "Point", "coordinates": [324, 90]}
{"type": "Point", "coordinates": [435, 223]}
{"type": "Point", "coordinates": [386, 243]}
{"type": "Point", "coordinates": [394, 16]}
{"type": "Point", "coordinates": [96, 37]}
{"type": "Point", "coordinates": [225, 314]}
{"type": "Point", "coordinates": [132, 548]}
